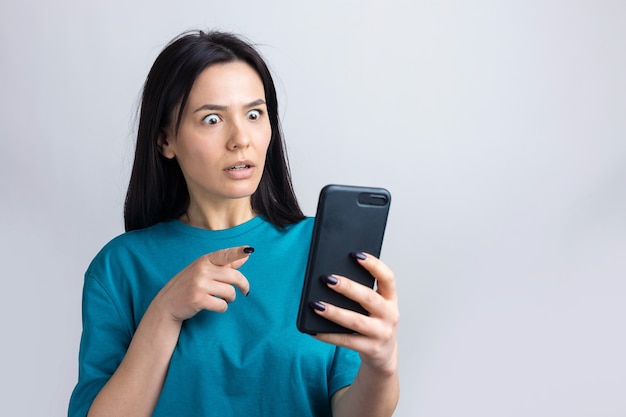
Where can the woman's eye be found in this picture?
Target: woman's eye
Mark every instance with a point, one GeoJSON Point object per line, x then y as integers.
{"type": "Point", "coordinates": [211, 119]}
{"type": "Point", "coordinates": [254, 114]}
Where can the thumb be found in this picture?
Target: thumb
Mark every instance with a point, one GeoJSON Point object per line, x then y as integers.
{"type": "Point", "coordinates": [231, 257]}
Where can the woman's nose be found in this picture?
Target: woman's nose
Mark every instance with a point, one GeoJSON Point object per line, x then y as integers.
{"type": "Point", "coordinates": [239, 136]}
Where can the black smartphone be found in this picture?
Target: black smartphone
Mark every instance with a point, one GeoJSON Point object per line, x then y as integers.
{"type": "Point", "coordinates": [349, 219]}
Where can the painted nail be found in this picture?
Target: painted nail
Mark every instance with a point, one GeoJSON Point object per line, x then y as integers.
{"type": "Point", "coordinates": [329, 279]}
{"type": "Point", "coordinates": [249, 249]}
{"type": "Point", "coordinates": [317, 306]}
{"type": "Point", "coordinates": [359, 255]}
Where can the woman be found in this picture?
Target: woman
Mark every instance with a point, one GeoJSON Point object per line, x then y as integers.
{"type": "Point", "coordinates": [210, 210]}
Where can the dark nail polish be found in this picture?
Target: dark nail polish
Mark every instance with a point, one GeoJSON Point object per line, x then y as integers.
{"type": "Point", "coordinates": [249, 249]}
{"type": "Point", "coordinates": [329, 279]}
{"type": "Point", "coordinates": [317, 306]}
{"type": "Point", "coordinates": [248, 293]}
{"type": "Point", "coordinates": [359, 255]}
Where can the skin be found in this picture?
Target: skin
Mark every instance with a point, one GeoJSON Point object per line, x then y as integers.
{"type": "Point", "coordinates": [376, 388]}
{"type": "Point", "coordinates": [225, 125]}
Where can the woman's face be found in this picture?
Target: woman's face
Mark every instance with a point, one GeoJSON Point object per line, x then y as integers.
{"type": "Point", "coordinates": [224, 134]}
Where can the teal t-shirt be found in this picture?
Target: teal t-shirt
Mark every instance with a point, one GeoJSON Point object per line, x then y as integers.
{"type": "Point", "coordinates": [248, 361]}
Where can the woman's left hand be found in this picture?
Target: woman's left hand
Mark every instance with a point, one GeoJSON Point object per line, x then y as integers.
{"type": "Point", "coordinates": [376, 337]}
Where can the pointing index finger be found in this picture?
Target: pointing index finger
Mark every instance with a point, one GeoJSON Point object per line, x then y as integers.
{"type": "Point", "coordinates": [231, 257]}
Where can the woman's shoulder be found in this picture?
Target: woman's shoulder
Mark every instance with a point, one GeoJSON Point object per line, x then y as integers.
{"type": "Point", "coordinates": [305, 223]}
{"type": "Point", "coordinates": [136, 237]}
{"type": "Point", "coordinates": [129, 244]}
{"type": "Point", "coordinates": [302, 227]}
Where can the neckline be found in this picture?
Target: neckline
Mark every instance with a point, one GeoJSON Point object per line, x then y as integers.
{"type": "Point", "coordinates": [234, 231]}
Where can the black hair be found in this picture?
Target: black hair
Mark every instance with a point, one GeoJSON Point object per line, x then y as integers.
{"type": "Point", "coordinates": [157, 190]}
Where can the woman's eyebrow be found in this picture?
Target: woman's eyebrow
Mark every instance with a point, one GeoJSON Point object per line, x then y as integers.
{"type": "Point", "coordinates": [218, 107]}
{"type": "Point", "coordinates": [255, 103]}
{"type": "Point", "coordinates": [210, 107]}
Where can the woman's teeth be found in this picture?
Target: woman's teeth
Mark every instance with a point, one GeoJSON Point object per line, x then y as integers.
{"type": "Point", "coordinates": [238, 167]}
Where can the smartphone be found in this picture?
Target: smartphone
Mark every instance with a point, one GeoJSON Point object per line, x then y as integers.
{"type": "Point", "coordinates": [349, 219]}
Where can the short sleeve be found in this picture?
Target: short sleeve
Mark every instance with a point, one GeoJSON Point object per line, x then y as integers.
{"type": "Point", "coordinates": [104, 342]}
{"type": "Point", "coordinates": [344, 369]}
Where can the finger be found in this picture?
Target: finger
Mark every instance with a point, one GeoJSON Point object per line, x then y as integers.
{"type": "Point", "coordinates": [221, 290]}
{"type": "Point", "coordinates": [355, 342]}
{"type": "Point", "coordinates": [231, 257]}
{"type": "Point", "coordinates": [213, 303]}
{"type": "Point", "coordinates": [369, 299]}
{"type": "Point", "coordinates": [215, 294]}
{"type": "Point", "coordinates": [385, 280]}
{"type": "Point", "coordinates": [231, 277]}
{"type": "Point", "coordinates": [360, 323]}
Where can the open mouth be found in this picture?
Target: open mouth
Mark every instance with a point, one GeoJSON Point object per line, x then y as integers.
{"type": "Point", "coordinates": [238, 167]}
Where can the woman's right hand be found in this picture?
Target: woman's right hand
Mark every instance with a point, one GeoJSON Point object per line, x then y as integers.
{"type": "Point", "coordinates": [208, 283]}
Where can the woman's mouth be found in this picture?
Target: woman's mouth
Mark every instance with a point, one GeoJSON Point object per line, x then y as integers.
{"type": "Point", "coordinates": [238, 167]}
{"type": "Point", "coordinates": [240, 170]}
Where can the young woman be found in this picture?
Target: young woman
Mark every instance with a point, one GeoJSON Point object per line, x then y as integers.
{"type": "Point", "coordinates": [210, 210]}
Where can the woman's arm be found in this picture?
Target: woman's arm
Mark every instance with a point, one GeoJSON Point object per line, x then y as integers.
{"type": "Point", "coordinates": [206, 284]}
{"type": "Point", "coordinates": [375, 390]}
{"type": "Point", "coordinates": [134, 388]}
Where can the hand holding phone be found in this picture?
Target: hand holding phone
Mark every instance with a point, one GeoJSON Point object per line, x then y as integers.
{"type": "Point", "coordinates": [349, 219]}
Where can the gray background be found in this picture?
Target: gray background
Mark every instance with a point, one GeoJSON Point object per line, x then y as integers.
{"type": "Point", "coordinates": [498, 126]}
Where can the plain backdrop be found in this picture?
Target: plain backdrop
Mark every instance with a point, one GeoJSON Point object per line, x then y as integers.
{"type": "Point", "coordinates": [498, 126]}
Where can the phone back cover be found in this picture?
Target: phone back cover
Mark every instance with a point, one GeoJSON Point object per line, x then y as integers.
{"type": "Point", "coordinates": [348, 219]}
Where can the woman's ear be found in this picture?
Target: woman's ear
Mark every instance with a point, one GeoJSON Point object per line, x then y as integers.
{"type": "Point", "coordinates": [165, 147]}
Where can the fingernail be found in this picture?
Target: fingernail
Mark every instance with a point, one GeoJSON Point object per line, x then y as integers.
{"type": "Point", "coordinates": [359, 255]}
{"type": "Point", "coordinates": [249, 249]}
{"type": "Point", "coordinates": [317, 306]}
{"type": "Point", "coordinates": [248, 293]}
{"type": "Point", "coordinates": [329, 279]}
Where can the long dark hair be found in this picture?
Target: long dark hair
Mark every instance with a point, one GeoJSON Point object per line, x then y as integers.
{"type": "Point", "coordinates": [157, 190]}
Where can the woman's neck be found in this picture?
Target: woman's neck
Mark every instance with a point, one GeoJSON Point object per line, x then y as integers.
{"type": "Point", "coordinates": [220, 216]}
